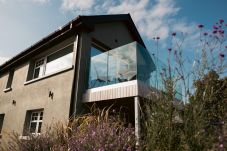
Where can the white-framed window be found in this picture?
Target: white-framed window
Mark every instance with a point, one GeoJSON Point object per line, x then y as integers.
{"type": "Point", "coordinates": [10, 79]}
{"type": "Point", "coordinates": [39, 68]}
{"type": "Point", "coordinates": [36, 122]}
{"type": "Point", "coordinates": [54, 62]}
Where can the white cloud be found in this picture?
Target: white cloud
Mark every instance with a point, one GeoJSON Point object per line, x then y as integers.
{"type": "Point", "coordinates": [152, 17]}
{"type": "Point", "coordinates": [3, 60]}
{"type": "Point", "coordinates": [2, 1]}
{"type": "Point", "coordinates": [77, 4]}
{"type": "Point", "coordinates": [184, 27]}
{"type": "Point", "coordinates": [41, 1]}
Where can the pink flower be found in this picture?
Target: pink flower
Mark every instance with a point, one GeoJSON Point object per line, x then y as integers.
{"type": "Point", "coordinates": [200, 26]}
{"type": "Point", "coordinates": [221, 21]}
{"type": "Point", "coordinates": [215, 27]}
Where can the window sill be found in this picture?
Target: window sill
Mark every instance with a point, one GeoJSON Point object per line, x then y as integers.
{"type": "Point", "coordinates": [24, 137]}
{"type": "Point", "coordinates": [49, 75]}
{"type": "Point", "coordinates": [7, 90]}
{"type": "Point", "coordinates": [33, 135]}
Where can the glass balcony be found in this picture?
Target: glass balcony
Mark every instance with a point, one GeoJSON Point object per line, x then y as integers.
{"type": "Point", "coordinates": [122, 64]}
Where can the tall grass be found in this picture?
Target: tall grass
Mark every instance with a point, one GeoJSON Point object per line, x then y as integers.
{"type": "Point", "coordinates": [96, 131]}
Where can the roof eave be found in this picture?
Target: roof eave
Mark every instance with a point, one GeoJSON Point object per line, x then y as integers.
{"type": "Point", "coordinates": [80, 21]}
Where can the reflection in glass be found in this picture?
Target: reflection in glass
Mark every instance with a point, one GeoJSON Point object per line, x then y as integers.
{"type": "Point", "coordinates": [33, 127]}
{"type": "Point", "coordinates": [59, 60]}
{"type": "Point", "coordinates": [39, 68]}
{"type": "Point", "coordinates": [114, 66]}
{"type": "Point", "coordinates": [98, 68]}
{"type": "Point", "coordinates": [125, 63]}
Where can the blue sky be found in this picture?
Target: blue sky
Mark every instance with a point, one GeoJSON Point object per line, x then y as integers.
{"type": "Point", "coordinates": [24, 22]}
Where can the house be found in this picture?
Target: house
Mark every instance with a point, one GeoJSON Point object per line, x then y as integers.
{"type": "Point", "coordinates": [99, 59]}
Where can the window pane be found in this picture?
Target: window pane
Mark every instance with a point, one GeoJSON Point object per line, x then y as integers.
{"type": "Point", "coordinates": [39, 63]}
{"type": "Point", "coordinates": [40, 126]}
{"type": "Point", "coordinates": [35, 114]}
{"type": "Point", "coordinates": [98, 68]}
{"type": "Point", "coordinates": [33, 127]}
{"type": "Point", "coordinates": [34, 118]}
{"type": "Point", "coordinates": [38, 72]}
{"type": "Point", "coordinates": [59, 60]}
{"type": "Point", "coordinates": [114, 66]}
{"type": "Point", "coordinates": [10, 79]}
{"type": "Point", "coordinates": [41, 116]}
{"type": "Point", "coordinates": [126, 67]}
{"type": "Point", "coordinates": [1, 121]}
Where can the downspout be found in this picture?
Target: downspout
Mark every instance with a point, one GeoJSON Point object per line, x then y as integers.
{"type": "Point", "coordinates": [75, 60]}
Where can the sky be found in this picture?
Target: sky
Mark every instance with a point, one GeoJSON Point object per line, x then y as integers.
{"type": "Point", "coordinates": [24, 22]}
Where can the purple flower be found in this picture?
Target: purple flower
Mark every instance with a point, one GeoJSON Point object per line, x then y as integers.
{"type": "Point", "coordinates": [215, 27]}
{"type": "Point", "coordinates": [158, 38]}
{"type": "Point", "coordinates": [225, 47]}
{"type": "Point", "coordinates": [205, 34]}
{"type": "Point", "coordinates": [200, 26]}
{"type": "Point", "coordinates": [174, 34]}
{"type": "Point", "coordinates": [101, 149]}
{"type": "Point", "coordinates": [221, 21]}
{"type": "Point", "coordinates": [169, 49]}
{"type": "Point", "coordinates": [111, 145]}
{"type": "Point", "coordinates": [93, 133]}
{"type": "Point", "coordinates": [221, 31]}
{"type": "Point", "coordinates": [222, 55]}
{"type": "Point", "coordinates": [215, 31]}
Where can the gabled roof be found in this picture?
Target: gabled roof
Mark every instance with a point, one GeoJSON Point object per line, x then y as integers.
{"type": "Point", "coordinates": [80, 22]}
